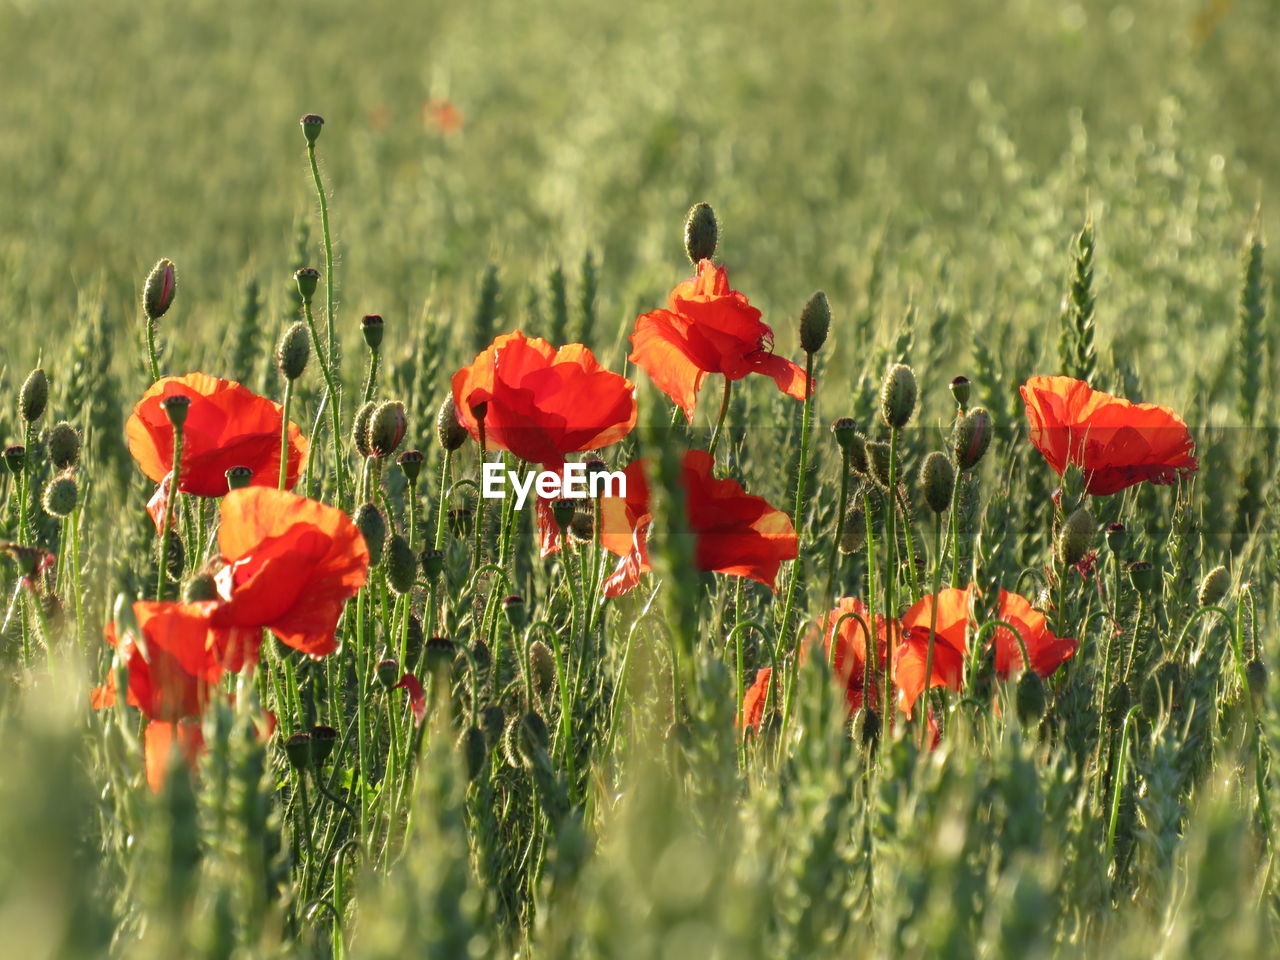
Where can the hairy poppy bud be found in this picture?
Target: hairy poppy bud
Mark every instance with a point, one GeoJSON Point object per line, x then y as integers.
{"type": "Point", "coordinates": [516, 612]}
{"type": "Point", "coordinates": [432, 563]}
{"type": "Point", "coordinates": [959, 387]}
{"type": "Point", "coordinates": [298, 749]}
{"type": "Point", "coordinates": [582, 527]}
{"type": "Point", "coordinates": [413, 638]}
{"type": "Point", "coordinates": [360, 428]}
{"type": "Point", "coordinates": [701, 233]}
{"type": "Point", "coordinates": [481, 658]}
{"type": "Point", "coordinates": [854, 536]}
{"type": "Point", "coordinates": [323, 740]}
{"type": "Point", "coordinates": [1075, 538]}
{"type": "Point", "coordinates": [938, 478]}
{"type": "Point", "coordinates": [15, 457]}
{"type": "Point", "coordinates": [440, 654]}
{"type": "Point", "coordinates": [387, 426]}
{"type": "Point", "coordinates": [175, 408]}
{"type": "Point", "coordinates": [373, 527]}
{"type": "Point", "coordinates": [542, 670]}
{"type": "Point", "coordinates": [563, 511]}
{"type": "Point", "coordinates": [898, 395]}
{"type": "Point", "coordinates": [64, 446]}
{"type": "Point", "coordinates": [294, 351]}
{"type": "Point", "coordinates": [1142, 576]}
{"type": "Point", "coordinates": [1255, 675]}
{"type": "Point", "coordinates": [867, 723]}
{"type": "Point", "coordinates": [402, 565]}
{"type": "Point", "coordinates": [159, 290]}
{"type": "Point", "coordinates": [175, 556]}
{"type": "Point", "coordinates": [60, 496]}
{"type": "Point", "coordinates": [371, 327]}
{"type": "Point", "coordinates": [411, 465]}
{"type": "Point", "coordinates": [387, 673]}
{"type": "Point", "coordinates": [1117, 537]}
{"type": "Point", "coordinates": [595, 466]}
{"type": "Point", "coordinates": [474, 750]}
{"type": "Point", "coordinates": [307, 279]}
{"type": "Point", "coordinates": [970, 437]}
{"type": "Point", "coordinates": [534, 737]}
{"type": "Point", "coordinates": [1030, 698]}
{"type": "Point", "coordinates": [878, 462]}
{"type": "Point", "coordinates": [34, 395]}
{"type": "Point", "coordinates": [238, 477]}
{"type": "Point", "coordinates": [449, 431]}
{"type": "Point", "coordinates": [200, 587]}
{"type": "Point", "coordinates": [1214, 586]}
{"type": "Point", "coordinates": [815, 321]}
{"type": "Point", "coordinates": [311, 125]}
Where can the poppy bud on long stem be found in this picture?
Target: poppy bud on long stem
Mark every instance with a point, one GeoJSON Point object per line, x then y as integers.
{"type": "Point", "coordinates": [294, 351]}
{"type": "Point", "coordinates": [937, 477]}
{"type": "Point", "coordinates": [64, 446]}
{"type": "Point", "coordinates": [815, 321]}
{"type": "Point", "coordinates": [34, 395]}
{"type": "Point", "coordinates": [898, 395]}
{"type": "Point", "coordinates": [701, 233]}
{"type": "Point", "coordinates": [1214, 586]}
{"type": "Point", "coordinates": [1075, 538]}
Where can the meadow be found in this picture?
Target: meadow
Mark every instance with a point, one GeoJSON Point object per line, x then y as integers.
{"type": "Point", "coordinates": [278, 682]}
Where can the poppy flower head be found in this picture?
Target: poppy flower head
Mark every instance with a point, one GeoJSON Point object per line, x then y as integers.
{"type": "Point", "coordinates": [848, 655]}
{"type": "Point", "coordinates": [951, 643]}
{"type": "Point", "coordinates": [1115, 443]}
{"type": "Point", "coordinates": [541, 403]}
{"type": "Point", "coordinates": [753, 700]}
{"type": "Point", "coordinates": [708, 328]}
{"type": "Point", "coordinates": [227, 426]}
{"type": "Point", "coordinates": [162, 739]}
{"type": "Point", "coordinates": [1047, 652]}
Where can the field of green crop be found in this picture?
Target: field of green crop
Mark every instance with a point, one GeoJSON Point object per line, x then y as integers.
{"type": "Point", "coordinates": [409, 720]}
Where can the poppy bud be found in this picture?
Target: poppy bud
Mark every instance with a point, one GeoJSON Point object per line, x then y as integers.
{"type": "Point", "coordinates": [15, 457]}
{"type": "Point", "coordinates": [595, 466]}
{"type": "Point", "coordinates": [1117, 537]}
{"type": "Point", "coordinates": [815, 321]}
{"type": "Point", "coordinates": [200, 587]}
{"type": "Point", "coordinates": [844, 430]}
{"type": "Point", "coordinates": [387, 426]}
{"type": "Point", "coordinates": [360, 428]}
{"type": "Point", "coordinates": [413, 638]}
{"type": "Point", "coordinates": [64, 446]}
{"type": "Point", "coordinates": [878, 462]}
{"type": "Point", "coordinates": [298, 749]}
{"type": "Point", "coordinates": [311, 125]}
{"type": "Point", "coordinates": [323, 740]}
{"type": "Point", "coordinates": [534, 737]}
{"type": "Point", "coordinates": [387, 673]}
{"type": "Point", "coordinates": [867, 723]}
{"type": "Point", "coordinates": [450, 432]}
{"type": "Point", "coordinates": [701, 233]}
{"type": "Point", "coordinates": [1255, 674]}
{"type": "Point", "coordinates": [542, 670]}
{"type": "Point", "coordinates": [1142, 576]}
{"type": "Point", "coordinates": [563, 511]}
{"type": "Point", "coordinates": [854, 536]}
{"type": "Point", "coordinates": [1030, 698]}
{"type": "Point", "coordinates": [34, 395]}
{"type": "Point", "coordinates": [238, 477]}
{"type": "Point", "coordinates": [959, 387]}
{"type": "Point", "coordinates": [582, 527]}
{"type": "Point", "coordinates": [492, 721]}
{"type": "Point", "coordinates": [1214, 586]}
{"type": "Point", "coordinates": [898, 395]}
{"type": "Point", "coordinates": [432, 563]}
{"type": "Point", "coordinates": [510, 741]}
{"type": "Point", "coordinates": [970, 437]}
{"type": "Point", "coordinates": [1075, 538]}
{"type": "Point", "coordinates": [402, 565]}
{"type": "Point", "coordinates": [175, 556]}
{"type": "Point", "coordinates": [474, 750]}
{"type": "Point", "coordinates": [938, 478]}
{"type": "Point", "coordinates": [516, 612]}
{"type": "Point", "coordinates": [371, 327]}
{"type": "Point", "coordinates": [374, 529]}
{"type": "Point", "coordinates": [294, 351]}
{"type": "Point", "coordinates": [307, 279]}
{"type": "Point", "coordinates": [60, 496]}
{"type": "Point", "coordinates": [175, 408]}
{"type": "Point", "coordinates": [158, 291]}
{"type": "Point", "coordinates": [411, 465]}
{"type": "Point", "coordinates": [481, 658]}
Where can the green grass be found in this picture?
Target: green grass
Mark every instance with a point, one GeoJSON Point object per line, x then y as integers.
{"type": "Point", "coordinates": [930, 166]}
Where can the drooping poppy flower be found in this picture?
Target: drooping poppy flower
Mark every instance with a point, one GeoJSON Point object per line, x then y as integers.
{"type": "Point", "coordinates": [227, 426]}
{"type": "Point", "coordinates": [541, 403]}
{"type": "Point", "coordinates": [848, 659]}
{"type": "Point", "coordinates": [291, 565]}
{"type": "Point", "coordinates": [736, 533]}
{"type": "Point", "coordinates": [708, 328]}
{"type": "Point", "coordinates": [1115, 443]}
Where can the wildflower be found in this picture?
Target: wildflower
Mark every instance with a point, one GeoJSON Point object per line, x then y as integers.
{"type": "Point", "coordinates": [753, 700]}
{"type": "Point", "coordinates": [1115, 443]}
{"type": "Point", "coordinates": [845, 641]}
{"type": "Point", "coordinates": [708, 328]}
{"type": "Point", "coordinates": [442, 115]}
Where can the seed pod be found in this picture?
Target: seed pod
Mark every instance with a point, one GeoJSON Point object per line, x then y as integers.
{"type": "Point", "coordinates": [542, 671]}
{"type": "Point", "coordinates": [844, 430]}
{"type": "Point", "coordinates": [402, 565]}
{"type": "Point", "coordinates": [970, 437]}
{"type": "Point", "coordinates": [371, 327]}
{"type": "Point", "coordinates": [360, 428]}
{"type": "Point", "coordinates": [374, 528]}
{"type": "Point", "coordinates": [387, 426]}
{"type": "Point", "coordinates": [15, 458]}
{"type": "Point", "coordinates": [701, 233]}
{"type": "Point", "coordinates": [474, 750]}
{"type": "Point", "coordinates": [815, 321]}
{"type": "Point", "coordinates": [959, 387]}
{"type": "Point", "coordinates": [898, 395]}
{"type": "Point", "coordinates": [34, 395]}
{"type": "Point", "coordinates": [298, 749]}
{"type": "Point", "coordinates": [516, 612]}
{"type": "Point", "coordinates": [432, 563]}
{"type": "Point", "coordinates": [60, 496]}
{"type": "Point", "coordinates": [307, 279]}
{"type": "Point", "coordinates": [563, 511]}
{"type": "Point", "coordinates": [441, 652]}
{"type": "Point", "coordinates": [176, 408]}
{"type": "Point", "coordinates": [1117, 537]}
{"type": "Point", "coordinates": [878, 462]}
{"type": "Point", "coordinates": [938, 478]}
{"type": "Point", "coordinates": [854, 537]}
{"type": "Point", "coordinates": [311, 125]}
{"type": "Point", "coordinates": [1214, 586]}
{"type": "Point", "coordinates": [64, 446]}
{"type": "Point", "coordinates": [293, 351]}
{"type": "Point", "coordinates": [199, 588]}
{"type": "Point", "coordinates": [1142, 576]}
{"type": "Point", "coordinates": [1255, 674]}
{"type": "Point", "coordinates": [1030, 698]}
{"type": "Point", "coordinates": [411, 465]}
{"type": "Point", "coordinates": [323, 740]}
{"type": "Point", "coordinates": [387, 673]}
{"type": "Point", "coordinates": [238, 478]}
{"type": "Point", "coordinates": [159, 290]}
{"type": "Point", "coordinates": [1075, 538]}
{"type": "Point", "coordinates": [449, 431]}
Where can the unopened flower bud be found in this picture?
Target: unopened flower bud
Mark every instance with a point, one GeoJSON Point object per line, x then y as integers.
{"type": "Point", "coordinates": [970, 437]}
{"type": "Point", "coordinates": [64, 446]}
{"type": "Point", "coordinates": [878, 462]}
{"type": "Point", "coordinates": [815, 321]}
{"type": "Point", "coordinates": [542, 671]}
{"type": "Point", "coordinates": [298, 749]}
{"type": "Point", "coordinates": [402, 565]}
{"type": "Point", "coordinates": [60, 496]}
{"type": "Point", "coordinates": [15, 457]}
{"type": "Point", "coordinates": [1142, 576]}
{"type": "Point", "coordinates": [938, 478]}
{"type": "Point", "coordinates": [534, 737]}
{"type": "Point", "coordinates": [450, 432]}
{"type": "Point", "coordinates": [311, 125]}
{"type": "Point", "coordinates": [1117, 537]}
{"type": "Point", "coordinates": [413, 638]}
{"type": "Point", "coordinates": [175, 408]}
{"type": "Point", "coordinates": [516, 612]}
{"type": "Point", "coordinates": [474, 750]}
{"type": "Point", "coordinates": [373, 527]}
{"type": "Point", "coordinates": [34, 395]}
{"type": "Point", "coordinates": [360, 428]}
{"type": "Point", "coordinates": [323, 740]}
{"type": "Point", "coordinates": [867, 724]}
{"type": "Point", "coordinates": [1255, 675]}
{"type": "Point", "coordinates": [432, 563]}
{"type": "Point", "coordinates": [959, 387]}
{"type": "Point", "coordinates": [307, 279]}
{"type": "Point", "coordinates": [294, 351]}
{"type": "Point", "coordinates": [371, 327]}
{"type": "Point", "coordinates": [701, 233]}
{"type": "Point", "coordinates": [411, 465]}
{"type": "Point", "coordinates": [199, 588]}
{"type": "Point", "coordinates": [1030, 698]}
{"type": "Point", "coordinates": [563, 511]}
{"type": "Point", "coordinates": [387, 426]}
{"type": "Point", "coordinates": [1214, 586]}
{"type": "Point", "coordinates": [1075, 538]}
{"type": "Point", "coordinates": [238, 477]}
{"type": "Point", "coordinates": [159, 290]}
{"type": "Point", "coordinates": [854, 537]}
{"type": "Point", "coordinates": [387, 673]}
{"type": "Point", "coordinates": [898, 395]}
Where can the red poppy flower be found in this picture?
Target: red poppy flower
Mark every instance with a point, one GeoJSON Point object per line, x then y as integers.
{"type": "Point", "coordinates": [417, 695]}
{"type": "Point", "coordinates": [709, 328]}
{"type": "Point", "coordinates": [736, 533]}
{"type": "Point", "coordinates": [1115, 443]}
{"type": "Point", "coordinates": [227, 426]}
{"type": "Point", "coordinates": [849, 659]}
{"type": "Point", "coordinates": [753, 700]}
{"type": "Point", "coordinates": [541, 403]}
{"type": "Point", "coordinates": [1047, 652]}
{"type": "Point", "coordinates": [291, 565]}
{"type": "Point", "coordinates": [161, 739]}
{"type": "Point", "coordinates": [442, 115]}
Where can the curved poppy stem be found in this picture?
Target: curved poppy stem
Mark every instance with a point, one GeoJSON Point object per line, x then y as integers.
{"type": "Point", "coordinates": [724, 408]}
{"type": "Point", "coordinates": [168, 512]}
{"type": "Point", "coordinates": [1192, 620]}
{"type": "Point", "coordinates": [997, 624]}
